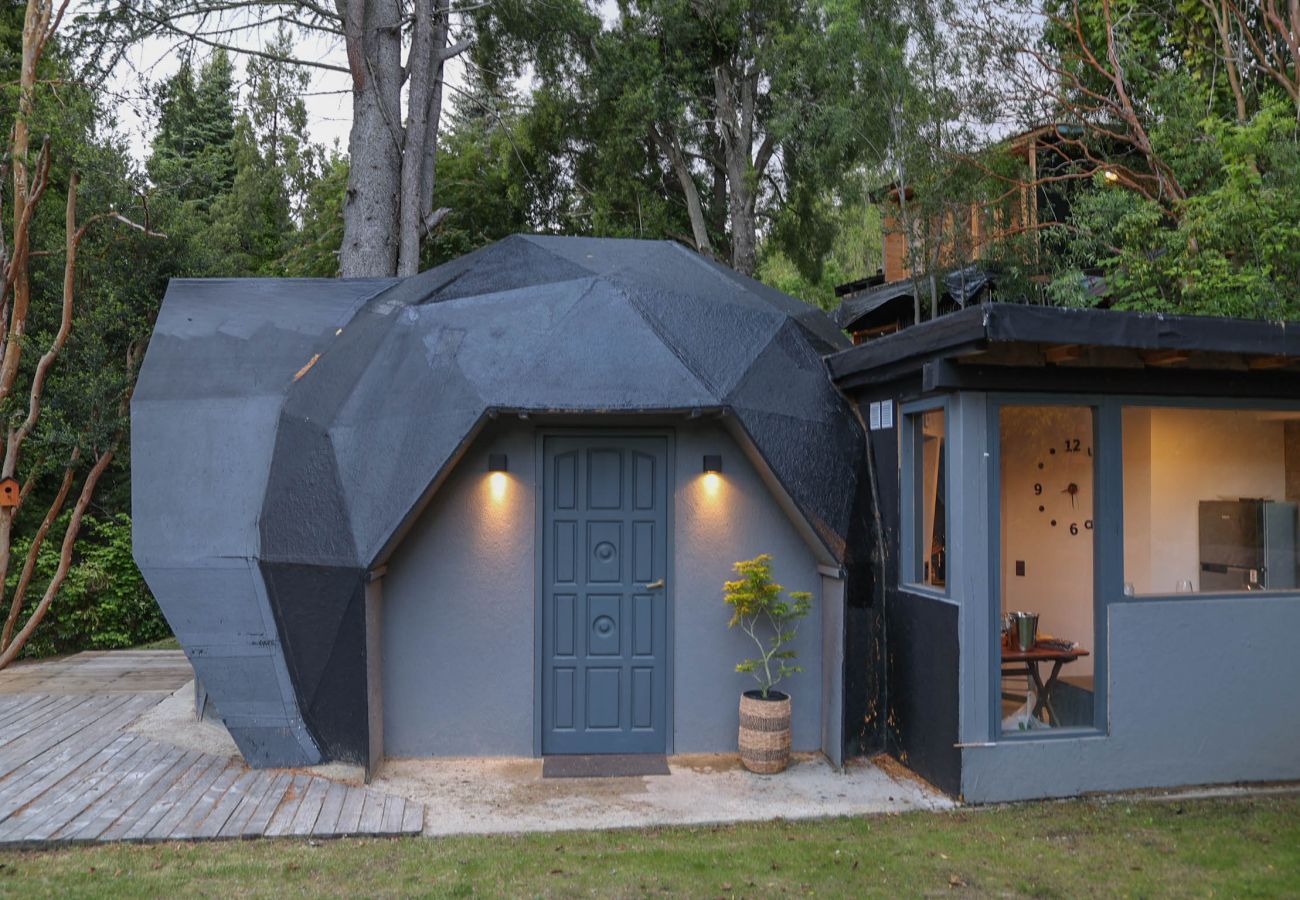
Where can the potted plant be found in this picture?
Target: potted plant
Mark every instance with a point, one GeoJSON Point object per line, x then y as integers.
{"type": "Point", "coordinates": [758, 608]}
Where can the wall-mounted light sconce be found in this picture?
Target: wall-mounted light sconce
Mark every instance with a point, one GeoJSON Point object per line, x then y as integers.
{"type": "Point", "coordinates": [497, 467]}
{"type": "Point", "coordinates": [712, 464]}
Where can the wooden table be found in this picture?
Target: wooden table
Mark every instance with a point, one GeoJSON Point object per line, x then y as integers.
{"type": "Point", "coordinates": [1026, 662]}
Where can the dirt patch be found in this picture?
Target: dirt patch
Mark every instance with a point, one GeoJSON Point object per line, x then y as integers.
{"type": "Point", "coordinates": [510, 795]}
{"type": "Point", "coordinates": [172, 722]}
{"type": "Point", "coordinates": [895, 770]}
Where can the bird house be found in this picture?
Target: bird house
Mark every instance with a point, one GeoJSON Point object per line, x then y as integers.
{"type": "Point", "coordinates": [9, 492]}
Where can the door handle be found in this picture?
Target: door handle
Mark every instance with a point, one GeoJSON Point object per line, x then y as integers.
{"type": "Point", "coordinates": [655, 585]}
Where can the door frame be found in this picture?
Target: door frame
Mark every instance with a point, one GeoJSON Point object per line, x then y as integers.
{"type": "Point", "coordinates": [539, 535]}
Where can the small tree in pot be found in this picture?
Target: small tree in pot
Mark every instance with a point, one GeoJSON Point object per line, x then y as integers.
{"type": "Point", "coordinates": [758, 608]}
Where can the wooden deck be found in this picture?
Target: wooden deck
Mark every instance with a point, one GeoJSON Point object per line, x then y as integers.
{"type": "Point", "coordinates": [70, 773]}
{"type": "Point", "coordinates": [99, 672]}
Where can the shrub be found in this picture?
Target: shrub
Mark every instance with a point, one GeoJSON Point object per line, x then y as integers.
{"type": "Point", "coordinates": [756, 604]}
{"type": "Point", "coordinates": [104, 603]}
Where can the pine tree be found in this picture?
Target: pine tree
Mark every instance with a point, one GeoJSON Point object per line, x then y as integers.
{"type": "Point", "coordinates": [193, 153]}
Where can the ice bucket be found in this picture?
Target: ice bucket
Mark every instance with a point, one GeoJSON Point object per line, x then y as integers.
{"type": "Point", "coordinates": [1024, 629]}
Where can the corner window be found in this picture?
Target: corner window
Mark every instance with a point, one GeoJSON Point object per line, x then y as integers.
{"type": "Point", "coordinates": [1046, 508]}
{"type": "Point", "coordinates": [929, 519]}
{"type": "Point", "coordinates": [1210, 500]}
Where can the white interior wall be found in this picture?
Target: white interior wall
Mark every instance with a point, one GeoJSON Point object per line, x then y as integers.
{"type": "Point", "coordinates": [1173, 459]}
{"type": "Point", "coordinates": [1057, 583]}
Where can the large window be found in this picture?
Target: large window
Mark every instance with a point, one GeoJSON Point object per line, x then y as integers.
{"type": "Point", "coordinates": [1046, 477]}
{"type": "Point", "coordinates": [1210, 500]}
{"type": "Point", "coordinates": [929, 519]}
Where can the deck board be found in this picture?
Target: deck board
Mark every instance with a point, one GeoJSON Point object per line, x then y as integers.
{"type": "Point", "coordinates": [136, 783]}
{"type": "Point", "coordinates": [250, 794]}
{"type": "Point", "coordinates": [261, 817]}
{"type": "Point", "coordinates": [350, 815]}
{"type": "Point", "coordinates": [71, 772]}
{"type": "Point", "coordinates": [81, 794]}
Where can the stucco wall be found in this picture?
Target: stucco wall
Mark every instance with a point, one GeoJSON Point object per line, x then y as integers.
{"type": "Point", "coordinates": [458, 629]}
{"type": "Point", "coordinates": [458, 613]}
{"type": "Point", "coordinates": [1200, 692]}
{"type": "Point", "coordinates": [740, 521]}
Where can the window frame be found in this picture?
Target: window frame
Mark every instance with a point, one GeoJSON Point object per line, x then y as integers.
{"type": "Point", "coordinates": [1223, 404]}
{"type": "Point", "coordinates": [1108, 529]}
{"type": "Point", "coordinates": [1108, 547]}
{"type": "Point", "coordinates": [910, 570]}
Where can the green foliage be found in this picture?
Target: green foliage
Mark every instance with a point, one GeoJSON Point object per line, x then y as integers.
{"type": "Point", "coordinates": [854, 252]}
{"type": "Point", "coordinates": [757, 605]}
{"type": "Point", "coordinates": [312, 250]}
{"type": "Point", "coordinates": [612, 95]}
{"type": "Point", "coordinates": [1233, 248]}
{"type": "Point", "coordinates": [104, 603]}
{"type": "Point", "coordinates": [193, 148]}
{"type": "Point", "coordinates": [233, 183]}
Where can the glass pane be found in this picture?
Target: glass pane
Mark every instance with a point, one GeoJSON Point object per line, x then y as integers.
{"type": "Point", "coordinates": [1046, 505]}
{"type": "Point", "coordinates": [1210, 499]}
{"type": "Point", "coordinates": [931, 518]}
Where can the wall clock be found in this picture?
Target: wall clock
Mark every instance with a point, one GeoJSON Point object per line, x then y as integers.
{"type": "Point", "coordinates": [1063, 489]}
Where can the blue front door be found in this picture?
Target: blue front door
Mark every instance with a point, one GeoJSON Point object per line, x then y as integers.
{"type": "Point", "coordinates": [604, 597]}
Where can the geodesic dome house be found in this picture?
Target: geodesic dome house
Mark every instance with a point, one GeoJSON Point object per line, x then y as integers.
{"type": "Point", "coordinates": [488, 509]}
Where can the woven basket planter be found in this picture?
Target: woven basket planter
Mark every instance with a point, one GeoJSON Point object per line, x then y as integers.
{"type": "Point", "coordinates": [765, 732]}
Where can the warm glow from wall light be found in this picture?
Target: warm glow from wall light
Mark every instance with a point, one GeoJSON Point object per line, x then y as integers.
{"type": "Point", "coordinates": [712, 483]}
{"type": "Point", "coordinates": [1111, 175]}
{"type": "Point", "coordinates": [497, 482]}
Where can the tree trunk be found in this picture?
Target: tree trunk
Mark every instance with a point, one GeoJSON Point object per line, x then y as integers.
{"type": "Point", "coordinates": [420, 87]}
{"type": "Point", "coordinates": [736, 102]}
{"type": "Point", "coordinates": [690, 190]}
{"type": "Point", "coordinates": [740, 209]}
{"type": "Point", "coordinates": [433, 119]}
{"type": "Point", "coordinates": [372, 33]}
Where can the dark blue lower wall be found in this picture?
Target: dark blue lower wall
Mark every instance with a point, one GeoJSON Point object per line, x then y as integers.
{"type": "Point", "coordinates": [922, 672]}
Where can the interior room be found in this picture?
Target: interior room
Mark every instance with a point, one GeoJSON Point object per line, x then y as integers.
{"type": "Point", "coordinates": [1046, 538]}
{"type": "Point", "coordinates": [1210, 499]}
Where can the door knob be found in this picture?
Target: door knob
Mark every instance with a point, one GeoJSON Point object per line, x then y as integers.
{"type": "Point", "coordinates": [655, 585]}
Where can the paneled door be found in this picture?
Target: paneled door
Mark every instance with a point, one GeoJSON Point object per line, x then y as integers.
{"type": "Point", "coordinates": [604, 597]}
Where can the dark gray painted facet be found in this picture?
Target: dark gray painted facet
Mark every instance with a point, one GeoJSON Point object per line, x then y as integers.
{"type": "Point", "coordinates": [204, 422]}
{"type": "Point", "coordinates": [232, 337]}
{"type": "Point", "coordinates": [200, 469]}
{"type": "Point", "coordinates": [302, 506]}
{"type": "Point", "coordinates": [349, 400]}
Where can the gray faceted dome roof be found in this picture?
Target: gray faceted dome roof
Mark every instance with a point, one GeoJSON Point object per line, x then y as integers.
{"type": "Point", "coordinates": [547, 324]}
{"type": "Point", "coordinates": [285, 431]}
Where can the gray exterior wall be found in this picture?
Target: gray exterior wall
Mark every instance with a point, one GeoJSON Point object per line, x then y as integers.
{"type": "Point", "coordinates": [1201, 691]}
{"type": "Point", "coordinates": [459, 603]}
{"type": "Point", "coordinates": [832, 664]}
{"type": "Point", "coordinates": [203, 422]}
{"type": "Point", "coordinates": [712, 533]}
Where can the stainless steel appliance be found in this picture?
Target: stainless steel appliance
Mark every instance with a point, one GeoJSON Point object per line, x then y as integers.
{"type": "Point", "coordinates": [1247, 545]}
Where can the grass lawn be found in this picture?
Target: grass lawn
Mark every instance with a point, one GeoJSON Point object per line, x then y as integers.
{"type": "Point", "coordinates": [1236, 847]}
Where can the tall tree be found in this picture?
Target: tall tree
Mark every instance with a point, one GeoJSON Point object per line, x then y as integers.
{"type": "Point", "coordinates": [722, 105]}
{"type": "Point", "coordinates": [394, 54]}
{"type": "Point", "coordinates": [60, 423]}
{"type": "Point", "coordinates": [194, 146]}
{"type": "Point", "coordinates": [1173, 124]}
